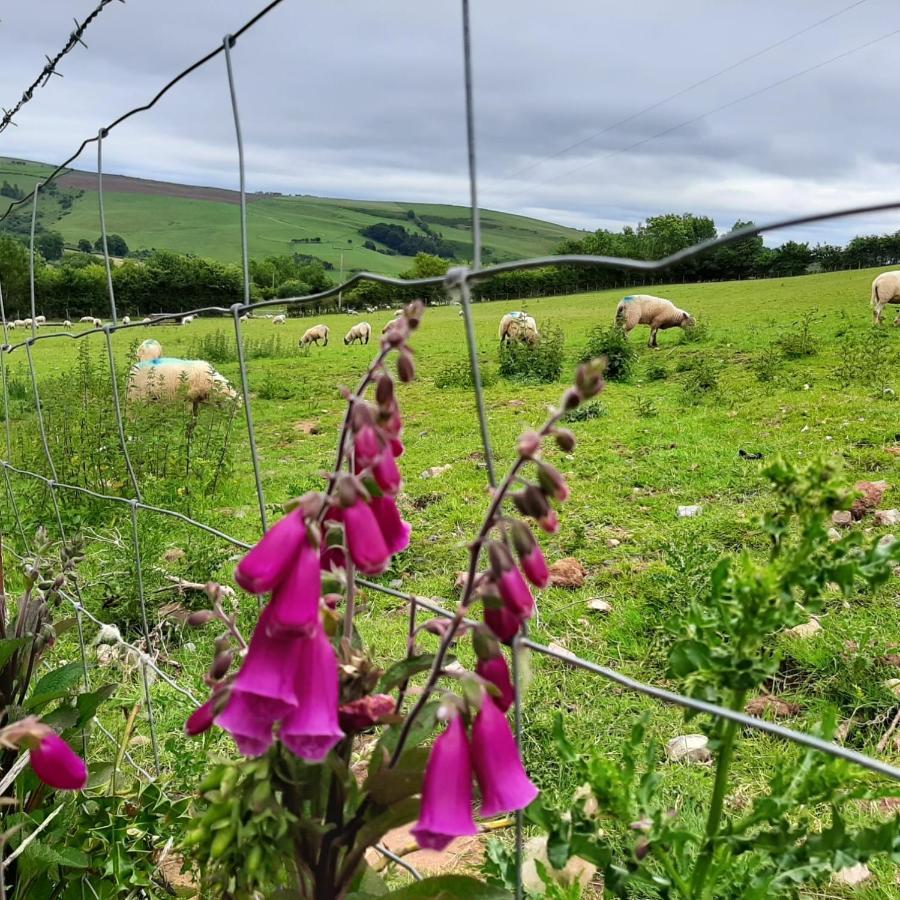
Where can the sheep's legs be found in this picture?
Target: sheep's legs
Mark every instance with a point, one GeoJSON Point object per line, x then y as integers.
{"type": "Point", "coordinates": [652, 342]}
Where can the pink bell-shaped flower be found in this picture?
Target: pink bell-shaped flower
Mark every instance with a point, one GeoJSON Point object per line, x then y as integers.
{"type": "Point", "coordinates": [366, 447]}
{"type": "Point", "coordinates": [387, 474]}
{"type": "Point", "coordinates": [496, 672]}
{"type": "Point", "coordinates": [311, 729]}
{"type": "Point", "coordinates": [446, 811]}
{"type": "Point", "coordinates": [57, 765]}
{"type": "Point", "coordinates": [261, 570]}
{"type": "Point", "coordinates": [503, 623]}
{"type": "Point", "coordinates": [202, 718]}
{"type": "Point", "coordinates": [295, 602]}
{"type": "Point", "coordinates": [393, 529]}
{"type": "Point", "coordinates": [515, 594]}
{"type": "Point", "coordinates": [365, 542]}
{"type": "Point", "coordinates": [248, 723]}
{"type": "Point", "coordinates": [504, 785]}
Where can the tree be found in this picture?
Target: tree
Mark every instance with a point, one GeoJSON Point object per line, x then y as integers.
{"type": "Point", "coordinates": [84, 245]}
{"type": "Point", "coordinates": [115, 243]}
{"type": "Point", "coordinates": [50, 244]}
{"type": "Point", "coordinates": [13, 273]}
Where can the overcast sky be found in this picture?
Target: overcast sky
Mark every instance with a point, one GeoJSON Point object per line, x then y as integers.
{"type": "Point", "coordinates": [365, 100]}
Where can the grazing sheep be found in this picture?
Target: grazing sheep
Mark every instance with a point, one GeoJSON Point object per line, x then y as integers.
{"type": "Point", "coordinates": [187, 320]}
{"type": "Point", "coordinates": [519, 328]}
{"type": "Point", "coordinates": [885, 290]}
{"type": "Point", "coordinates": [279, 320]}
{"type": "Point", "coordinates": [30, 322]}
{"type": "Point", "coordinates": [97, 323]}
{"type": "Point", "coordinates": [644, 309]}
{"type": "Point", "coordinates": [245, 317]}
{"type": "Point", "coordinates": [314, 335]}
{"type": "Point", "coordinates": [67, 324]}
{"type": "Point", "coordinates": [361, 332]}
{"type": "Point", "coordinates": [126, 320]}
{"type": "Point", "coordinates": [18, 323]}
{"type": "Point", "coordinates": [86, 319]}
{"type": "Point", "coordinates": [10, 324]}
{"type": "Point", "coordinates": [41, 320]}
{"type": "Point", "coordinates": [146, 320]}
{"type": "Point", "coordinates": [156, 377]}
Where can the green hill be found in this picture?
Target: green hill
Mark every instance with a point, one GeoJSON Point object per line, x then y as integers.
{"type": "Point", "coordinates": [205, 221]}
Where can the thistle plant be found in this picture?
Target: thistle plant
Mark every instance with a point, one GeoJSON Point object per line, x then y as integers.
{"type": "Point", "coordinates": [295, 814]}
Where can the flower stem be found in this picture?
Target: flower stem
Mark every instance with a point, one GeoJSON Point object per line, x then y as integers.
{"type": "Point", "coordinates": [717, 802]}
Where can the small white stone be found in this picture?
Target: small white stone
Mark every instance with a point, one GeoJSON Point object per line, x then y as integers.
{"type": "Point", "coordinates": [842, 517]}
{"type": "Point", "coordinates": [436, 471]}
{"type": "Point", "coordinates": [562, 651]}
{"type": "Point", "coordinates": [833, 535]}
{"type": "Point", "coordinates": [893, 685]}
{"type": "Point", "coordinates": [688, 748]}
{"type": "Point", "coordinates": [852, 875]}
{"type": "Point", "coordinates": [600, 606]}
{"type": "Point", "coordinates": [687, 512]}
{"type": "Point", "coordinates": [805, 630]}
{"type": "Point", "coordinates": [804, 428]}
{"type": "Point", "coordinates": [887, 516]}
{"type": "Point", "coordinates": [805, 387]}
{"type": "Point", "coordinates": [828, 437]}
{"type": "Point", "coordinates": [612, 543]}
{"type": "Point", "coordinates": [887, 540]}
{"type": "Point", "coordinates": [191, 647]}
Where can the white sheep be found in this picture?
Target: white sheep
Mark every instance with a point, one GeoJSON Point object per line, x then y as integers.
{"type": "Point", "coordinates": [41, 320]}
{"type": "Point", "coordinates": [885, 290]}
{"type": "Point", "coordinates": [126, 320]}
{"type": "Point", "coordinates": [187, 320]}
{"type": "Point", "coordinates": [314, 335]}
{"type": "Point", "coordinates": [30, 322]}
{"type": "Point", "coordinates": [279, 320]}
{"type": "Point", "coordinates": [245, 317]}
{"type": "Point", "coordinates": [86, 319]}
{"type": "Point", "coordinates": [11, 325]}
{"type": "Point", "coordinates": [67, 324]}
{"type": "Point", "coordinates": [97, 323]}
{"type": "Point", "coordinates": [645, 309]}
{"type": "Point", "coordinates": [18, 323]}
{"type": "Point", "coordinates": [156, 377]}
{"type": "Point", "coordinates": [519, 328]}
{"type": "Point", "coordinates": [361, 332]}
{"type": "Point", "coordinates": [146, 320]}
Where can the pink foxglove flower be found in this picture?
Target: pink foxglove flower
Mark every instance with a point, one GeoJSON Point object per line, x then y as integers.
{"type": "Point", "coordinates": [549, 522]}
{"type": "Point", "coordinates": [394, 530]}
{"type": "Point", "coordinates": [496, 672]}
{"type": "Point", "coordinates": [57, 765]}
{"type": "Point", "coordinates": [201, 719]}
{"type": "Point", "coordinates": [365, 542]}
{"type": "Point", "coordinates": [264, 567]}
{"type": "Point", "coordinates": [515, 594]}
{"type": "Point", "coordinates": [248, 723]}
{"type": "Point", "coordinates": [387, 474]}
{"type": "Point", "coordinates": [311, 729]}
{"type": "Point", "coordinates": [504, 785]}
{"type": "Point", "coordinates": [397, 447]}
{"type": "Point", "coordinates": [503, 623]}
{"type": "Point", "coordinates": [295, 602]}
{"type": "Point", "coordinates": [446, 810]}
{"type": "Point", "coordinates": [267, 675]}
{"type": "Point", "coordinates": [366, 447]}
{"type": "Point", "coordinates": [535, 567]}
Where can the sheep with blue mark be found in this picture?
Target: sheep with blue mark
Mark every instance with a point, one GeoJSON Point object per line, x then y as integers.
{"type": "Point", "coordinates": [658, 313]}
{"type": "Point", "coordinates": [157, 377]}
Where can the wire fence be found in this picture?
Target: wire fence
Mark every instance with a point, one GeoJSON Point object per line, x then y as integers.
{"type": "Point", "coordinates": [457, 283]}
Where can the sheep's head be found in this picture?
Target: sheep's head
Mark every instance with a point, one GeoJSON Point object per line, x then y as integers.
{"type": "Point", "coordinates": [346, 340]}
{"type": "Point", "coordinates": [149, 349]}
{"type": "Point", "coordinates": [687, 320]}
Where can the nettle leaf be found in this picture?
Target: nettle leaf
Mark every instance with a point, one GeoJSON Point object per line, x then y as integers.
{"type": "Point", "coordinates": [58, 855]}
{"type": "Point", "coordinates": [389, 785]}
{"type": "Point", "coordinates": [61, 718]}
{"type": "Point", "coordinates": [54, 685]}
{"type": "Point", "coordinates": [87, 704]}
{"type": "Point", "coordinates": [450, 887]}
{"type": "Point", "coordinates": [404, 669]}
{"type": "Point", "coordinates": [100, 774]}
{"type": "Point", "coordinates": [689, 656]}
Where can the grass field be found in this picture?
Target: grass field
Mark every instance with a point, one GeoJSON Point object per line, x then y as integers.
{"type": "Point", "coordinates": [655, 445]}
{"type": "Point", "coordinates": [148, 217]}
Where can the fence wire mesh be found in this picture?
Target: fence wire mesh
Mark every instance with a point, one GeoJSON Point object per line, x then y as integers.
{"type": "Point", "coordinates": [457, 283]}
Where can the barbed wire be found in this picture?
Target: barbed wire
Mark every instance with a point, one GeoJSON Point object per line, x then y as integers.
{"type": "Point", "coordinates": [457, 283]}
{"type": "Point", "coordinates": [49, 70]}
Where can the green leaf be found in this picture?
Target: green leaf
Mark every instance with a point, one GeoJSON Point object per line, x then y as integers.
{"type": "Point", "coordinates": [61, 718]}
{"type": "Point", "coordinates": [450, 887]}
{"type": "Point", "coordinates": [88, 703]}
{"type": "Point", "coordinates": [368, 883]}
{"type": "Point", "coordinates": [399, 814]}
{"type": "Point", "coordinates": [54, 685]}
{"type": "Point", "coordinates": [8, 646]}
{"type": "Point", "coordinates": [99, 774]}
{"type": "Point", "coordinates": [567, 752]}
{"type": "Point", "coordinates": [388, 786]}
{"type": "Point", "coordinates": [422, 728]}
{"type": "Point", "coordinates": [58, 855]}
{"type": "Point", "coordinates": [403, 669]}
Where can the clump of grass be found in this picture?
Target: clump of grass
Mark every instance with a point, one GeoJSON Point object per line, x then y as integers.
{"type": "Point", "coordinates": [865, 357]}
{"type": "Point", "coordinates": [459, 375]}
{"type": "Point", "coordinates": [685, 364]}
{"type": "Point", "coordinates": [701, 381]}
{"type": "Point", "coordinates": [592, 410]}
{"type": "Point", "coordinates": [765, 365]}
{"type": "Point", "coordinates": [538, 364]}
{"type": "Point", "coordinates": [220, 347]}
{"type": "Point", "coordinates": [645, 408]}
{"type": "Point", "coordinates": [656, 372]}
{"type": "Point", "coordinates": [695, 334]}
{"type": "Point", "coordinates": [613, 344]}
{"type": "Point", "coordinates": [800, 342]}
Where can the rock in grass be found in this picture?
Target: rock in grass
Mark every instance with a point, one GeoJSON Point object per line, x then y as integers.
{"type": "Point", "coordinates": [887, 516]}
{"type": "Point", "coordinates": [567, 573]}
{"type": "Point", "coordinates": [436, 471]}
{"type": "Point", "coordinates": [562, 651]}
{"type": "Point", "coordinates": [689, 748]}
{"type": "Point", "coordinates": [872, 492]}
{"type": "Point", "coordinates": [842, 517]}
{"type": "Point", "coordinates": [766, 703]}
{"type": "Point", "coordinates": [173, 554]}
{"type": "Point", "coordinates": [600, 606]}
{"type": "Point", "coordinates": [688, 512]}
{"type": "Point", "coordinates": [612, 543]}
{"type": "Point", "coordinates": [893, 685]}
{"type": "Point", "coordinates": [833, 535]}
{"type": "Point", "coordinates": [852, 875]}
{"type": "Point", "coordinates": [575, 872]}
{"type": "Point", "coordinates": [805, 630]}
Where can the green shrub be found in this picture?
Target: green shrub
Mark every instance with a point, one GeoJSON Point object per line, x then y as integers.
{"type": "Point", "coordinates": [701, 380]}
{"type": "Point", "coordinates": [459, 375]}
{"type": "Point", "coordinates": [538, 364]}
{"type": "Point", "coordinates": [612, 343]}
{"type": "Point", "coordinates": [800, 341]}
{"type": "Point", "coordinates": [696, 333]}
{"type": "Point", "coordinates": [767, 362]}
{"type": "Point", "coordinates": [656, 372]}
{"type": "Point", "coordinates": [592, 410]}
{"type": "Point", "coordinates": [645, 408]}
{"type": "Point", "coordinates": [686, 364]}
{"type": "Point", "coordinates": [866, 357]}
{"type": "Point", "coordinates": [220, 347]}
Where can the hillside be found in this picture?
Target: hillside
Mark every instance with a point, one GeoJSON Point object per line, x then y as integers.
{"type": "Point", "coordinates": [205, 221]}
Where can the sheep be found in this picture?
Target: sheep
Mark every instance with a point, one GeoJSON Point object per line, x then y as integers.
{"type": "Point", "coordinates": [644, 309]}
{"type": "Point", "coordinates": [126, 320]}
{"type": "Point", "coordinates": [86, 319]}
{"type": "Point", "coordinates": [146, 320]}
{"type": "Point", "coordinates": [155, 377]}
{"type": "Point", "coordinates": [41, 320]}
{"type": "Point", "coordinates": [361, 332]}
{"type": "Point", "coordinates": [97, 323]}
{"type": "Point", "coordinates": [245, 317]}
{"type": "Point", "coordinates": [519, 328]}
{"type": "Point", "coordinates": [11, 324]}
{"type": "Point", "coordinates": [885, 290]}
{"type": "Point", "coordinates": [18, 323]}
{"type": "Point", "coordinates": [67, 324]}
{"type": "Point", "coordinates": [279, 320]}
{"type": "Point", "coordinates": [314, 335]}
{"type": "Point", "coordinates": [29, 322]}
{"type": "Point", "coordinates": [187, 320]}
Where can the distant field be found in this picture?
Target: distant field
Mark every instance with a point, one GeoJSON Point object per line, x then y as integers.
{"type": "Point", "coordinates": [173, 217]}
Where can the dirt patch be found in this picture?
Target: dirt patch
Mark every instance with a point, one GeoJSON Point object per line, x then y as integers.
{"type": "Point", "coordinates": [462, 855]}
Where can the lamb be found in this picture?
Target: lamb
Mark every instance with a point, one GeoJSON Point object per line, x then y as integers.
{"type": "Point", "coordinates": [885, 291]}
{"type": "Point", "coordinates": [279, 320]}
{"type": "Point", "coordinates": [156, 377]}
{"type": "Point", "coordinates": [518, 327]}
{"type": "Point", "coordinates": [314, 335]}
{"type": "Point", "coordinates": [97, 323]}
{"type": "Point", "coordinates": [187, 320]}
{"type": "Point", "coordinates": [361, 332]}
{"type": "Point", "coordinates": [67, 324]}
{"type": "Point", "coordinates": [644, 309]}
{"type": "Point", "coordinates": [245, 317]}
{"type": "Point", "coordinates": [126, 320]}
{"type": "Point", "coordinates": [146, 320]}
{"type": "Point", "coordinates": [11, 324]}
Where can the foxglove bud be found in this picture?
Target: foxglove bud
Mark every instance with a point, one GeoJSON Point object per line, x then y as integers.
{"type": "Point", "coordinates": [529, 443]}
{"type": "Point", "coordinates": [384, 390]}
{"type": "Point", "coordinates": [552, 483]}
{"type": "Point", "coordinates": [589, 378]}
{"type": "Point", "coordinates": [570, 399]}
{"type": "Point", "coordinates": [200, 617]}
{"type": "Point", "coordinates": [531, 502]}
{"type": "Point", "coordinates": [406, 368]}
{"type": "Point", "coordinates": [221, 665]}
{"type": "Point", "coordinates": [414, 312]}
{"type": "Point", "coordinates": [565, 439]}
